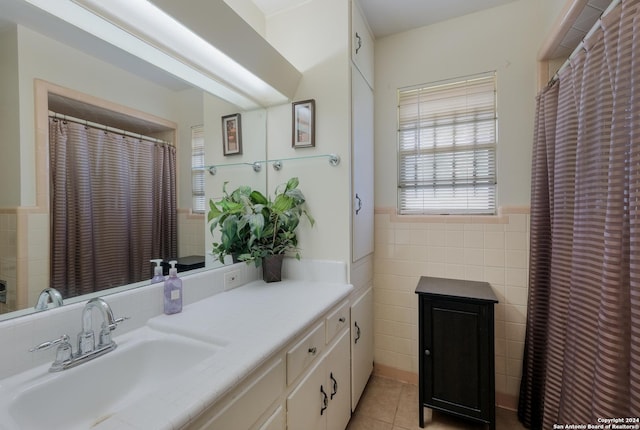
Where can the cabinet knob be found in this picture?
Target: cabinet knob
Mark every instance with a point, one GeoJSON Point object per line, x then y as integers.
{"type": "Point", "coordinates": [427, 352]}
{"type": "Point", "coordinates": [313, 350]}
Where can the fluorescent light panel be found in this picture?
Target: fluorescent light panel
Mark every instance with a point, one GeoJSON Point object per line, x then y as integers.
{"type": "Point", "coordinates": [91, 23]}
{"type": "Point", "coordinates": [156, 27]}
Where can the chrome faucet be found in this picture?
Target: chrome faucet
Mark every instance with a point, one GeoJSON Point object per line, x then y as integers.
{"type": "Point", "coordinates": [46, 295]}
{"type": "Point", "coordinates": [86, 338]}
{"type": "Point", "coordinates": [87, 347]}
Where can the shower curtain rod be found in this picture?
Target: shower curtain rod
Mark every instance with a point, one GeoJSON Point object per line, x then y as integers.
{"type": "Point", "coordinates": [580, 46]}
{"type": "Point", "coordinates": [85, 122]}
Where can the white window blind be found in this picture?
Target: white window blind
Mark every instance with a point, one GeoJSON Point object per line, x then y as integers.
{"type": "Point", "coordinates": [197, 168]}
{"type": "Point", "coordinates": [447, 147]}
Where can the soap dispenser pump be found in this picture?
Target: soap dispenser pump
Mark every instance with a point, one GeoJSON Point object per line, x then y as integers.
{"type": "Point", "coordinates": [157, 271]}
{"type": "Point", "coordinates": [173, 291]}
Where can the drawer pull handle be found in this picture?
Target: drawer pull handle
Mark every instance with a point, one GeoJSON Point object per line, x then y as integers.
{"type": "Point", "coordinates": [342, 319]}
{"type": "Point", "coordinates": [427, 352]}
{"type": "Point", "coordinates": [358, 43]}
{"type": "Point", "coordinates": [325, 400]}
{"type": "Point", "coordinates": [357, 332]}
{"type": "Point", "coordinates": [335, 386]}
{"type": "Point", "coordinates": [313, 350]}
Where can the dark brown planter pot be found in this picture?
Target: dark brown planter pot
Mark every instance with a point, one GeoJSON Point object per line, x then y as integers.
{"type": "Point", "coordinates": [272, 268]}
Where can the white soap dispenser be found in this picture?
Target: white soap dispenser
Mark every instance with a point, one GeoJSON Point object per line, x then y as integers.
{"type": "Point", "coordinates": [173, 291]}
{"type": "Point", "coordinates": [157, 271]}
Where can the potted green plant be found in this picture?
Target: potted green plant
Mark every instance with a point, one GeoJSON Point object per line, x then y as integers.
{"type": "Point", "coordinates": [227, 215]}
{"type": "Point", "coordinates": [272, 228]}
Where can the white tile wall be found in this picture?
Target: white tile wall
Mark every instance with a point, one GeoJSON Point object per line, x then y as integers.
{"type": "Point", "coordinates": [494, 250]}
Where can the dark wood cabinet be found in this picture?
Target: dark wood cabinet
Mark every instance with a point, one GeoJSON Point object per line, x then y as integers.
{"type": "Point", "coordinates": [456, 347]}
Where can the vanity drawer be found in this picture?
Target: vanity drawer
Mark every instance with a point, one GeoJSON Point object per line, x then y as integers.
{"type": "Point", "coordinates": [304, 352]}
{"type": "Point", "coordinates": [247, 403]}
{"type": "Point", "coordinates": [336, 321]}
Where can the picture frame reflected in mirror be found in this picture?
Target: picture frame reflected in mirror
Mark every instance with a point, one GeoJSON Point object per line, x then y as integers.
{"type": "Point", "coordinates": [232, 134]}
{"type": "Point", "coordinates": [304, 127]}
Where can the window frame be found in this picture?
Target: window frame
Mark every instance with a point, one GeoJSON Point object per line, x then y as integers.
{"type": "Point", "coordinates": [198, 200]}
{"type": "Point", "coordinates": [468, 106]}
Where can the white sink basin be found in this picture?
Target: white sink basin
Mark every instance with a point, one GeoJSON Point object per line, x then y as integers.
{"type": "Point", "coordinates": [82, 397]}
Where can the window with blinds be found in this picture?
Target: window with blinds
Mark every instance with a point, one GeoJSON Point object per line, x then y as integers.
{"type": "Point", "coordinates": [197, 168]}
{"type": "Point", "coordinates": [447, 147]}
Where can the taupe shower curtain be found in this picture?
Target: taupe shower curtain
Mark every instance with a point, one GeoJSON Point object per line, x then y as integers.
{"type": "Point", "coordinates": [113, 207]}
{"type": "Point", "coordinates": [582, 349]}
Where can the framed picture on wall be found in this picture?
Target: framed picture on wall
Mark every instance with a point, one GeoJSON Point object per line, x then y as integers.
{"type": "Point", "coordinates": [231, 134]}
{"type": "Point", "coordinates": [304, 127]}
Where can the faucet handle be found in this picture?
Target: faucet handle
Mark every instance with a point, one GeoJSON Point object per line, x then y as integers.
{"type": "Point", "coordinates": [117, 321]}
{"type": "Point", "coordinates": [50, 344]}
{"type": "Point", "coordinates": [105, 333]}
{"type": "Point", "coordinates": [64, 351]}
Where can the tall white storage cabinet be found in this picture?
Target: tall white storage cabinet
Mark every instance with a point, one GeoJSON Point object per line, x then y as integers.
{"type": "Point", "coordinates": [362, 135]}
{"type": "Point", "coordinates": [362, 215]}
{"type": "Point", "coordinates": [362, 123]}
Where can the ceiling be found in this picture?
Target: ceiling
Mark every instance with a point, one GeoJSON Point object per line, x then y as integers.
{"type": "Point", "coordinates": [387, 17]}
{"type": "Point", "coordinates": [579, 29]}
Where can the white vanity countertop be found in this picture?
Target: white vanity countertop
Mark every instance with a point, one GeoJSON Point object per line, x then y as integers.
{"type": "Point", "coordinates": [250, 324]}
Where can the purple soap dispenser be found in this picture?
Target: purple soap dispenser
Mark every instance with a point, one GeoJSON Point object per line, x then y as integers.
{"type": "Point", "coordinates": [172, 291]}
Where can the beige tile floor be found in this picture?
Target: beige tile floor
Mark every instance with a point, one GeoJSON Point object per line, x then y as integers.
{"type": "Point", "coordinates": [391, 405]}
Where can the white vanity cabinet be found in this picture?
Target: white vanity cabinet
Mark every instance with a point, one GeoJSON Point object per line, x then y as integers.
{"type": "Point", "coordinates": [276, 421]}
{"type": "Point", "coordinates": [361, 344]}
{"type": "Point", "coordinates": [321, 400]}
{"type": "Point", "coordinates": [248, 402]}
{"type": "Point", "coordinates": [306, 385]}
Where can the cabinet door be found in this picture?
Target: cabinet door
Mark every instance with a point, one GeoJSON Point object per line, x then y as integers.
{"type": "Point", "coordinates": [361, 345]}
{"type": "Point", "coordinates": [362, 45]}
{"type": "Point", "coordinates": [362, 170]}
{"type": "Point", "coordinates": [456, 357]}
{"type": "Point", "coordinates": [308, 404]}
{"type": "Point", "coordinates": [339, 385]}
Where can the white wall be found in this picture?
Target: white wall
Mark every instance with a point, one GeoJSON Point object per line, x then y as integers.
{"type": "Point", "coordinates": [315, 39]}
{"type": "Point", "coordinates": [504, 39]}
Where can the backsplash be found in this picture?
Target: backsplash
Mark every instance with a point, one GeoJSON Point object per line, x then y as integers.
{"type": "Point", "coordinates": [18, 335]}
{"type": "Point", "coordinates": [493, 249]}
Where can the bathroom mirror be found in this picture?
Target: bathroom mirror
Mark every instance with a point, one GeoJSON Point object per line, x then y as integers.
{"type": "Point", "coordinates": [53, 53]}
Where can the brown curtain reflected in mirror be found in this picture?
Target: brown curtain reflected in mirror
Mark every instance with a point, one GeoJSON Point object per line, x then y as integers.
{"type": "Point", "coordinates": [113, 207]}
{"type": "Point", "coordinates": [582, 350]}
